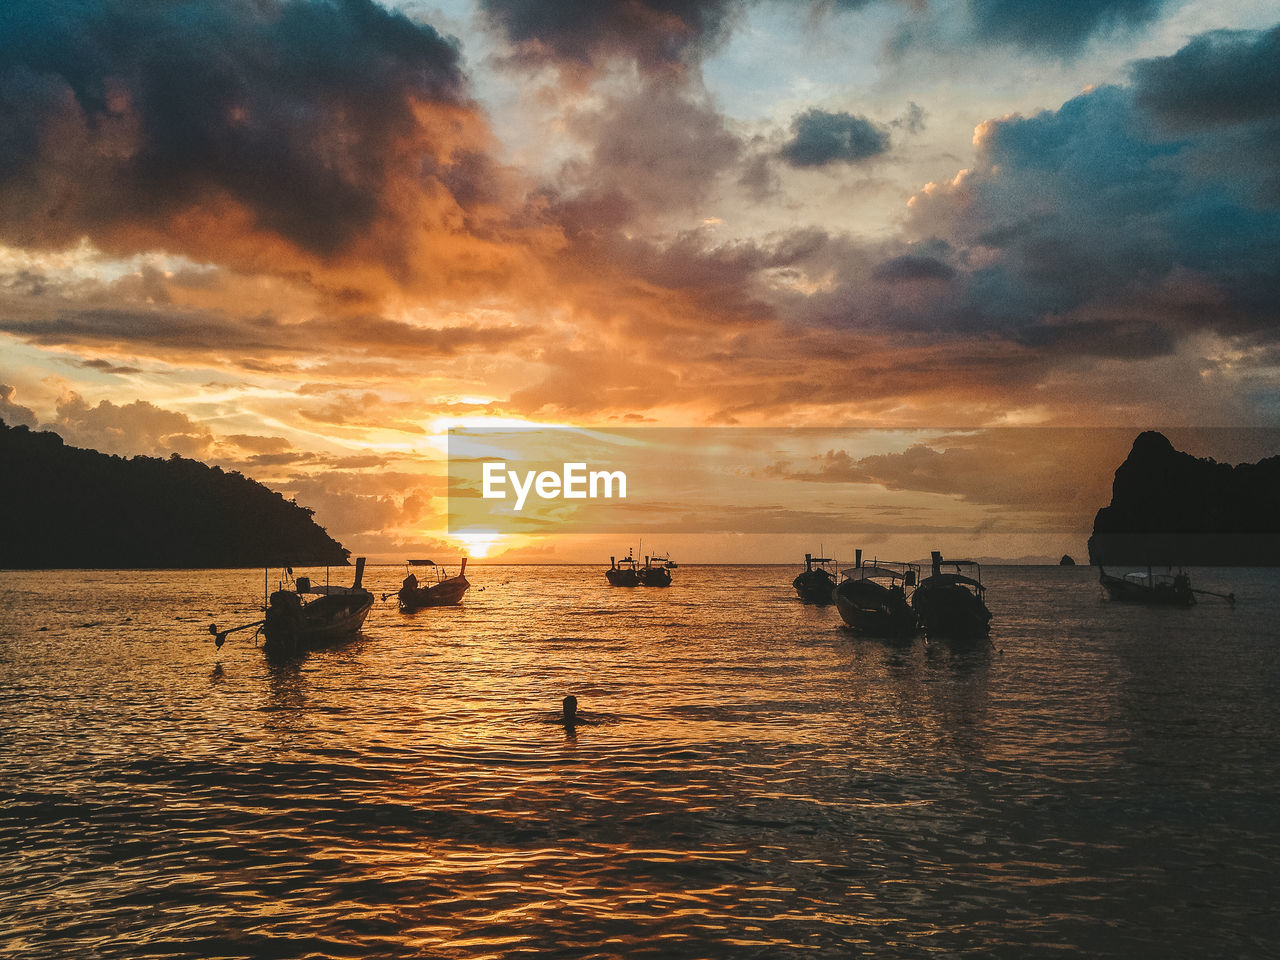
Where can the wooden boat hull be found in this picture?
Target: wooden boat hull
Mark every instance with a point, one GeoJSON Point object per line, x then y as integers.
{"type": "Point", "coordinates": [294, 626]}
{"type": "Point", "coordinates": [622, 578]}
{"type": "Point", "coordinates": [875, 609]}
{"type": "Point", "coordinates": [654, 577]}
{"type": "Point", "coordinates": [446, 593]}
{"type": "Point", "coordinates": [1160, 594]}
{"type": "Point", "coordinates": [814, 586]}
{"type": "Point", "coordinates": [951, 611]}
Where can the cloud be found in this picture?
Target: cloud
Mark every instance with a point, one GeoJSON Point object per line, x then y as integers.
{"type": "Point", "coordinates": [1133, 339]}
{"type": "Point", "coordinates": [912, 267]}
{"type": "Point", "coordinates": [1092, 223]}
{"type": "Point", "coordinates": [385, 501]}
{"type": "Point", "coordinates": [1220, 94]}
{"type": "Point", "coordinates": [652, 33]}
{"type": "Point", "coordinates": [912, 119]}
{"type": "Point", "coordinates": [184, 334]}
{"type": "Point", "coordinates": [658, 148]}
{"type": "Point", "coordinates": [1218, 79]}
{"type": "Point", "coordinates": [330, 140]}
{"type": "Point", "coordinates": [106, 366]}
{"type": "Point", "coordinates": [1058, 471]}
{"type": "Point", "coordinates": [138, 428]}
{"type": "Point", "coordinates": [820, 138]}
{"type": "Point", "coordinates": [12, 412]}
{"type": "Point", "coordinates": [1054, 26]}
{"type": "Point", "coordinates": [258, 444]}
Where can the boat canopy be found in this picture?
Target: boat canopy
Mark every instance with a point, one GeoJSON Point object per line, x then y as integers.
{"type": "Point", "coordinates": [872, 570]}
{"type": "Point", "coordinates": [1142, 578]}
{"type": "Point", "coordinates": [954, 578]}
{"type": "Point", "coordinates": [421, 563]}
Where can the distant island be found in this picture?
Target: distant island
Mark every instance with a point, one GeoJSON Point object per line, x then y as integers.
{"type": "Point", "coordinates": [1170, 508]}
{"type": "Point", "coordinates": [62, 506]}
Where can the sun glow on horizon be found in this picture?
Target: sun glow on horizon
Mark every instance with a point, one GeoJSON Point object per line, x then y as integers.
{"type": "Point", "coordinates": [480, 545]}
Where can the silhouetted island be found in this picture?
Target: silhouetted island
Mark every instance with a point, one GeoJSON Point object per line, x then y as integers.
{"type": "Point", "coordinates": [1170, 508]}
{"type": "Point", "coordinates": [62, 506]}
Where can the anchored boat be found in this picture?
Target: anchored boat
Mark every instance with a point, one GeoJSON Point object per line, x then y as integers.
{"type": "Point", "coordinates": [445, 591]}
{"type": "Point", "coordinates": [623, 573]}
{"type": "Point", "coordinates": [292, 624]}
{"type": "Point", "coordinates": [817, 581]}
{"type": "Point", "coordinates": [874, 598]}
{"type": "Point", "coordinates": [952, 605]}
{"type": "Point", "coordinates": [656, 572]}
{"type": "Point", "coordinates": [1164, 589]}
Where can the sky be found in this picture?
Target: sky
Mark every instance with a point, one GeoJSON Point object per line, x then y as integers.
{"type": "Point", "coordinates": [303, 239]}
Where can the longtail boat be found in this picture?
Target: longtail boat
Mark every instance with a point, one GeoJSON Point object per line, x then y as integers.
{"type": "Point", "coordinates": [623, 573]}
{"type": "Point", "coordinates": [817, 581]}
{"type": "Point", "coordinates": [1163, 589]}
{"type": "Point", "coordinates": [292, 624]}
{"type": "Point", "coordinates": [656, 572]}
{"type": "Point", "coordinates": [874, 598]}
{"type": "Point", "coordinates": [952, 606]}
{"type": "Point", "coordinates": [445, 591]}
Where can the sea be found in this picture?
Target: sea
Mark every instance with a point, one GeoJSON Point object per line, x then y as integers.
{"type": "Point", "coordinates": [747, 779]}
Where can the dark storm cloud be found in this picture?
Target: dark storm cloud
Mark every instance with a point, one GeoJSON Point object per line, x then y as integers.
{"type": "Point", "coordinates": [1217, 79]}
{"type": "Point", "coordinates": [1057, 26]}
{"type": "Point", "coordinates": [116, 112]}
{"type": "Point", "coordinates": [910, 267]}
{"type": "Point", "coordinates": [1077, 216]}
{"type": "Point", "coordinates": [1221, 94]}
{"type": "Point", "coordinates": [653, 32]}
{"type": "Point", "coordinates": [820, 138]}
{"type": "Point", "coordinates": [1123, 339]}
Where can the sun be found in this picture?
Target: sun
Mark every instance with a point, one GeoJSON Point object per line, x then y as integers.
{"type": "Point", "coordinates": [481, 544]}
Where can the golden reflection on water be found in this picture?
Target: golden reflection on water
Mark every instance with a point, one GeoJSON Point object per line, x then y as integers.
{"type": "Point", "coordinates": [747, 778]}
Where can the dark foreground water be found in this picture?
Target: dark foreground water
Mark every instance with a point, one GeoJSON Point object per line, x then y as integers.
{"type": "Point", "coordinates": [751, 781]}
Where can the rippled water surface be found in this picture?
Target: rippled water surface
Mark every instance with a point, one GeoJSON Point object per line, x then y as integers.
{"type": "Point", "coordinates": [749, 779]}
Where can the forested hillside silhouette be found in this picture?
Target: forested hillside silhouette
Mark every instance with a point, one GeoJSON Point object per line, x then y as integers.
{"type": "Point", "coordinates": [62, 506]}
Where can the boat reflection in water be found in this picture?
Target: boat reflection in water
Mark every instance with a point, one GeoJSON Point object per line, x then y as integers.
{"type": "Point", "coordinates": [873, 598]}
{"type": "Point", "coordinates": [817, 581]}
{"type": "Point", "coordinates": [952, 606]}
